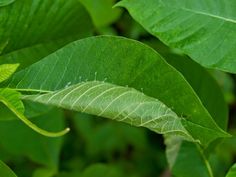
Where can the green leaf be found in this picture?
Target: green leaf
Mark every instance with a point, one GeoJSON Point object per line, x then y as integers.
{"type": "Point", "coordinates": [11, 99]}
{"type": "Point", "coordinates": [7, 70]}
{"type": "Point", "coordinates": [101, 11]}
{"type": "Point", "coordinates": [232, 171]}
{"type": "Point", "coordinates": [117, 103]}
{"type": "Point", "coordinates": [204, 30]}
{"type": "Point", "coordinates": [21, 141]}
{"type": "Point", "coordinates": [122, 62]}
{"type": "Point", "coordinates": [6, 2]}
{"type": "Point", "coordinates": [5, 171]}
{"type": "Point", "coordinates": [20, 22]}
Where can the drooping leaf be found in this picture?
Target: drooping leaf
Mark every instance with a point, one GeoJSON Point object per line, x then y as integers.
{"type": "Point", "coordinates": [232, 171]}
{"type": "Point", "coordinates": [7, 70]}
{"type": "Point", "coordinates": [205, 30]}
{"type": "Point", "coordinates": [117, 103]}
{"type": "Point", "coordinates": [101, 11]}
{"type": "Point", "coordinates": [123, 62]}
{"type": "Point", "coordinates": [27, 22]}
{"type": "Point", "coordinates": [5, 171]}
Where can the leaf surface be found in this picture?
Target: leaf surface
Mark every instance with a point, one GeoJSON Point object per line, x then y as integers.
{"type": "Point", "coordinates": [205, 30]}
{"type": "Point", "coordinates": [122, 62]}
{"type": "Point", "coordinates": [118, 103]}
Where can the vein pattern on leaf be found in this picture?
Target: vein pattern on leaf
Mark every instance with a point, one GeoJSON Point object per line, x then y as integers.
{"type": "Point", "coordinates": [118, 103]}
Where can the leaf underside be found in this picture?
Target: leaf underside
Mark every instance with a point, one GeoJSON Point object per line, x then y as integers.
{"type": "Point", "coordinates": [117, 103]}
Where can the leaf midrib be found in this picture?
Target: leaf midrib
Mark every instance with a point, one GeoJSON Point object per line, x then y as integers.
{"type": "Point", "coordinates": [203, 13]}
{"type": "Point", "coordinates": [209, 15]}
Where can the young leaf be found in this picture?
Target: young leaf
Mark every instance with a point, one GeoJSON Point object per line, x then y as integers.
{"type": "Point", "coordinates": [5, 171]}
{"type": "Point", "coordinates": [117, 103]}
{"type": "Point", "coordinates": [204, 30]}
{"type": "Point", "coordinates": [11, 99]}
{"type": "Point", "coordinates": [6, 70]}
{"type": "Point", "coordinates": [232, 171]}
{"type": "Point", "coordinates": [122, 62]}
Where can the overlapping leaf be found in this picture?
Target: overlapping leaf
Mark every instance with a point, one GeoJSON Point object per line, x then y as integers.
{"type": "Point", "coordinates": [205, 30]}
{"type": "Point", "coordinates": [118, 103]}
{"type": "Point", "coordinates": [123, 62]}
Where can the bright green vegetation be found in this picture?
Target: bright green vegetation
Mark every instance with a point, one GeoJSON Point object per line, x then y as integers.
{"type": "Point", "coordinates": [127, 90]}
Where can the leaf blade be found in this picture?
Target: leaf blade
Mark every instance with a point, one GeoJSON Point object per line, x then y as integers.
{"type": "Point", "coordinates": [202, 30]}
{"type": "Point", "coordinates": [123, 62]}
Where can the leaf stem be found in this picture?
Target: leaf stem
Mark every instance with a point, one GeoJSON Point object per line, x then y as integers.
{"type": "Point", "coordinates": [206, 162]}
{"type": "Point", "coordinates": [31, 125]}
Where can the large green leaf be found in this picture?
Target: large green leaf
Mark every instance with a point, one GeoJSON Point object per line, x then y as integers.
{"type": "Point", "coordinates": [232, 171]}
{"type": "Point", "coordinates": [205, 30]}
{"type": "Point", "coordinates": [5, 171]}
{"type": "Point", "coordinates": [24, 23]}
{"type": "Point", "coordinates": [123, 62]}
{"type": "Point", "coordinates": [118, 103]}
